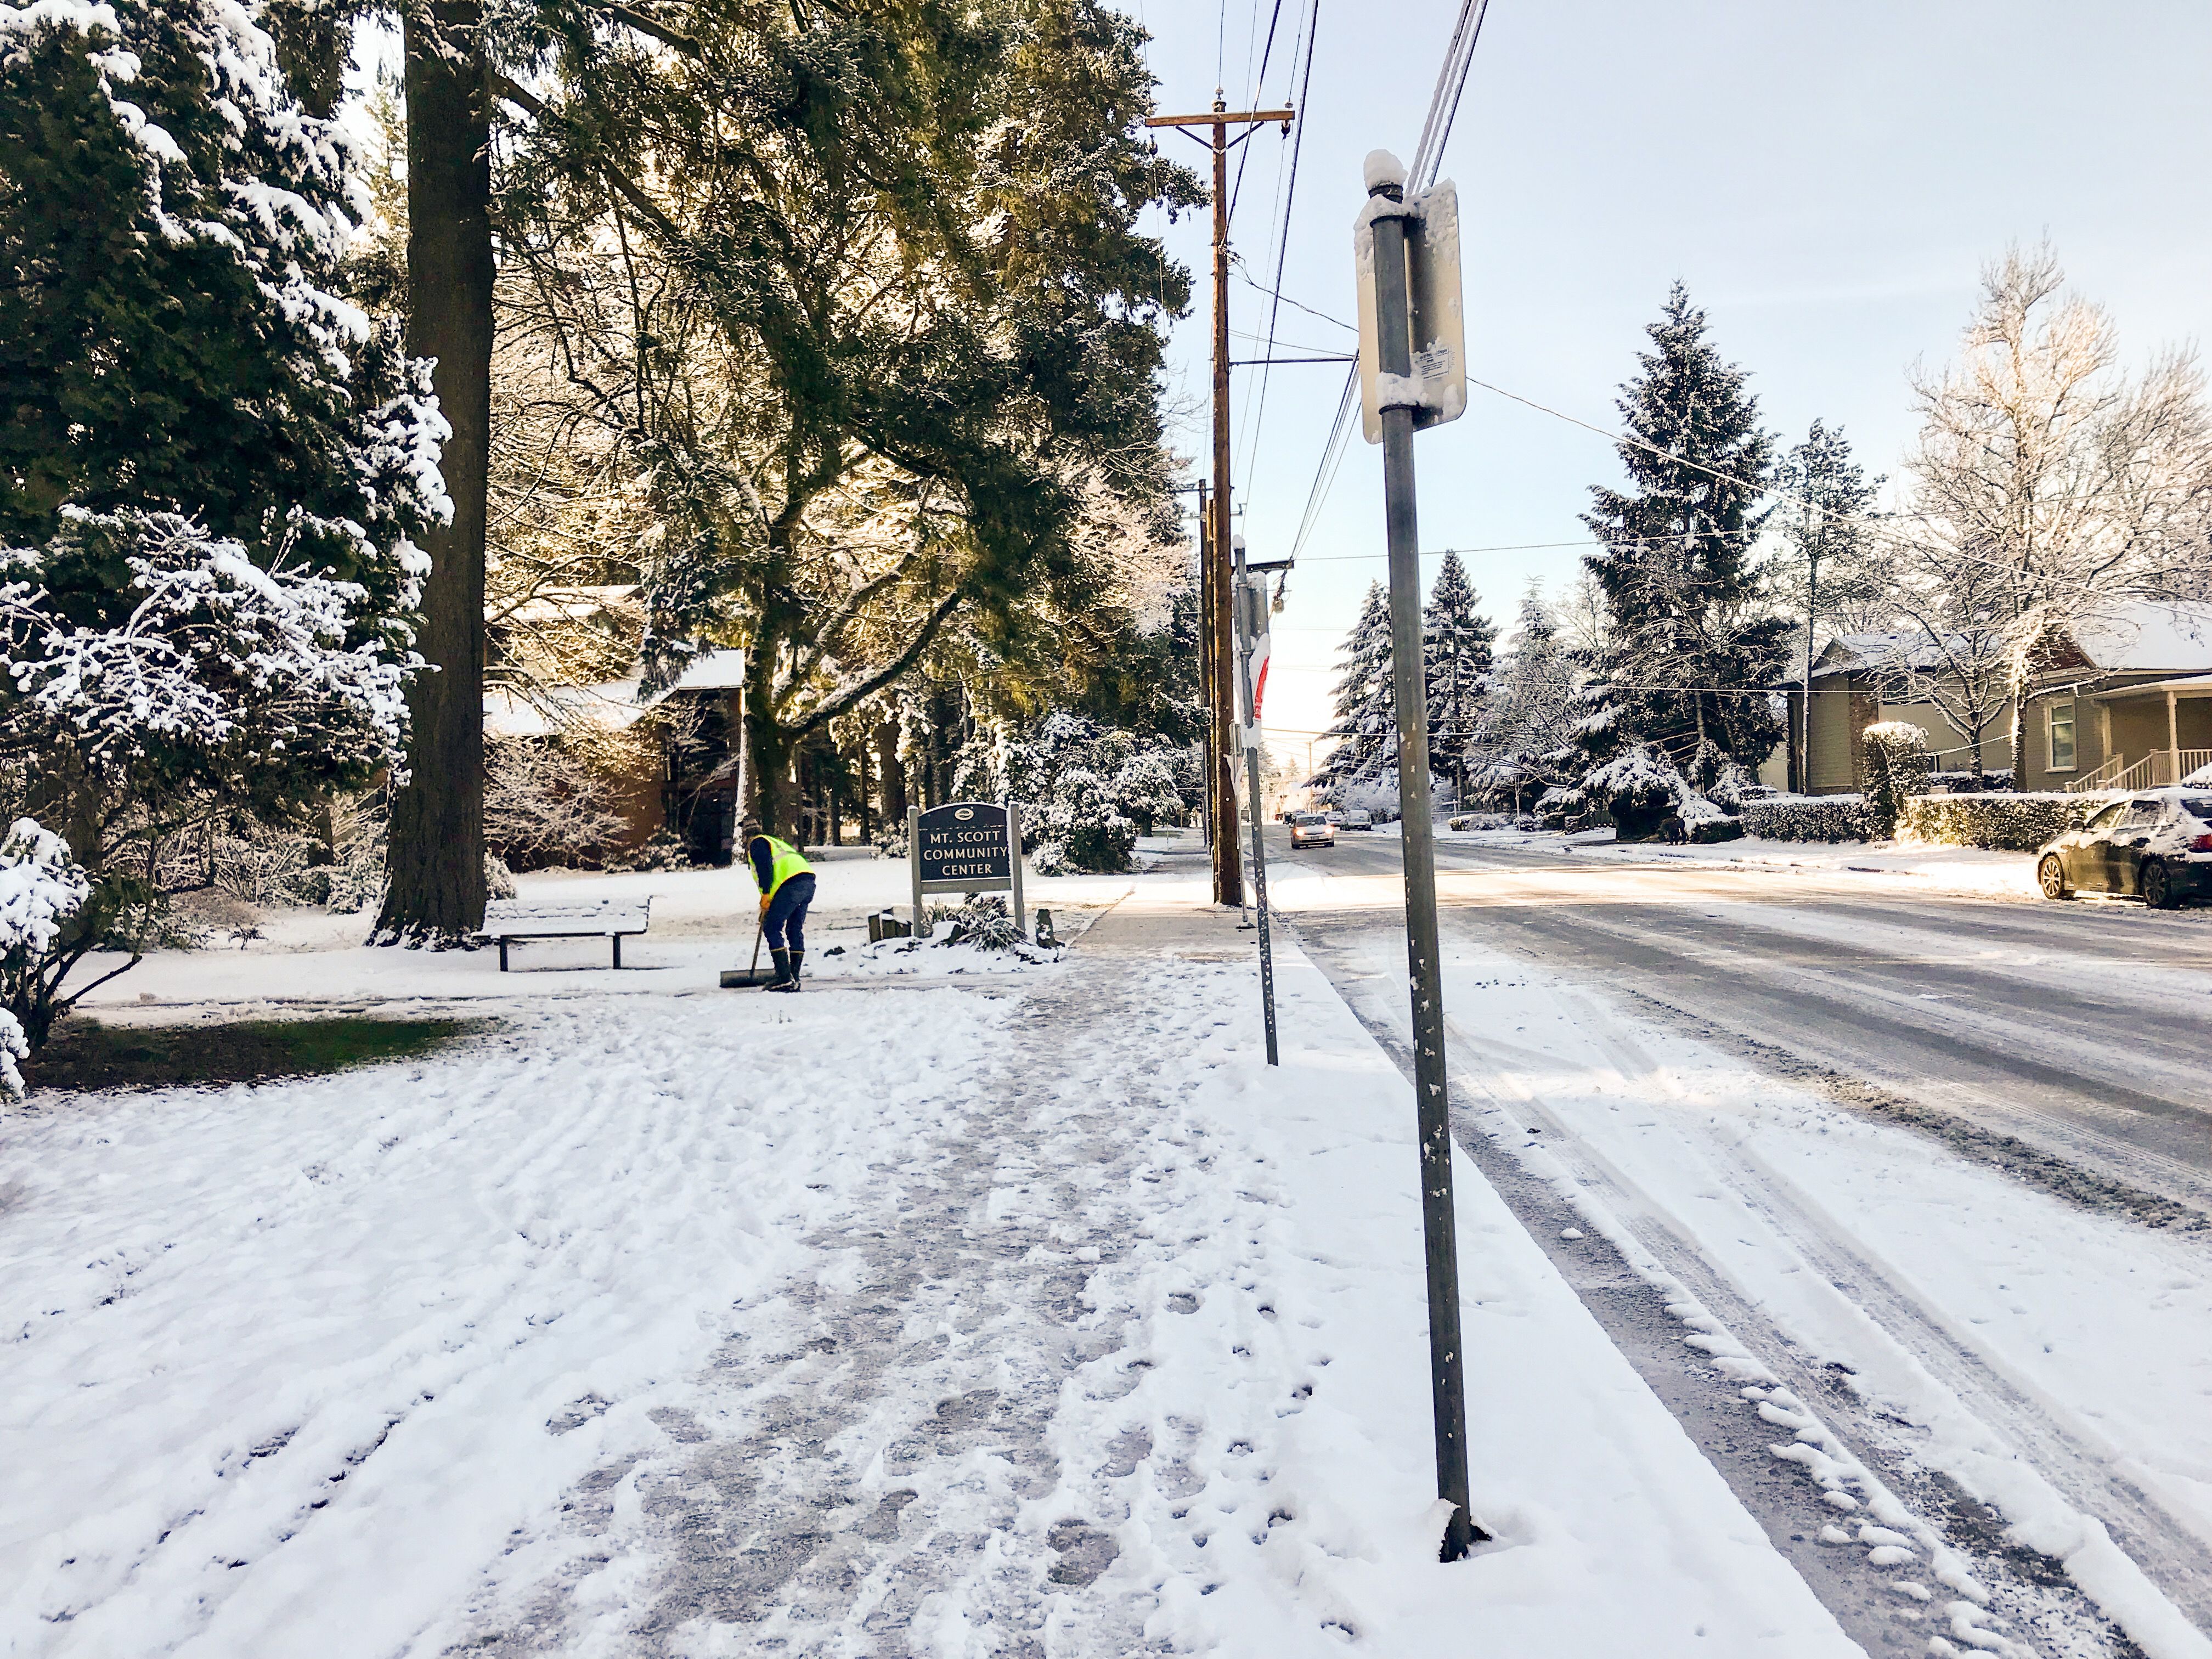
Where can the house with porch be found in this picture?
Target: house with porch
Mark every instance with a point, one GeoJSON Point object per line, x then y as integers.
{"type": "Point", "coordinates": [2125, 702]}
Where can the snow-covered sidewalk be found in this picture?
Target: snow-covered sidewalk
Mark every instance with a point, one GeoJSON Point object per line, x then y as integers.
{"type": "Point", "coordinates": [1017, 1317]}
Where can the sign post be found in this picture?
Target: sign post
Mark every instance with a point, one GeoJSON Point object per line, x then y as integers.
{"type": "Point", "coordinates": [1251, 616]}
{"type": "Point", "coordinates": [967, 846]}
{"type": "Point", "coordinates": [1412, 373]}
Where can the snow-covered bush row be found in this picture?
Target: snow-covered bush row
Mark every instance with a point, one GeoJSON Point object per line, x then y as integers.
{"type": "Point", "coordinates": [1807, 818]}
{"type": "Point", "coordinates": [2008, 822]}
{"type": "Point", "coordinates": [1468, 821]}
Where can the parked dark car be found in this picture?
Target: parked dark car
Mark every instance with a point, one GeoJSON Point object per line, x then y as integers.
{"type": "Point", "coordinates": [1312, 829]}
{"type": "Point", "coordinates": [2155, 847]}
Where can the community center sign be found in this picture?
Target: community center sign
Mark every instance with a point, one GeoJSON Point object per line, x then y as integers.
{"type": "Point", "coordinates": [968, 846]}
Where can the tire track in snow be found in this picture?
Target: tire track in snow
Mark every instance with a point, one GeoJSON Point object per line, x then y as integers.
{"type": "Point", "coordinates": [1645, 1284]}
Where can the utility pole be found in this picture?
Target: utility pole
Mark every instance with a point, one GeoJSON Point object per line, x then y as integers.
{"type": "Point", "coordinates": [1409, 303]}
{"type": "Point", "coordinates": [1228, 871]}
{"type": "Point", "coordinates": [1206, 656]}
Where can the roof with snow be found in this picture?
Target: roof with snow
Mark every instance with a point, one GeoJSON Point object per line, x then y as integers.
{"type": "Point", "coordinates": [2174, 638]}
{"type": "Point", "coordinates": [547, 711]}
{"type": "Point", "coordinates": [2144, 636]}
{"type": "Point", "coordinates": [716, 671]}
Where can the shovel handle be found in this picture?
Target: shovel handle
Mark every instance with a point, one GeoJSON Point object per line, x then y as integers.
{"type": "Point", "coordinates": [759, 929]}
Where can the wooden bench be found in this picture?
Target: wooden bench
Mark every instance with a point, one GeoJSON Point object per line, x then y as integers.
{"type": "Point", "coordinates": [507, 919]}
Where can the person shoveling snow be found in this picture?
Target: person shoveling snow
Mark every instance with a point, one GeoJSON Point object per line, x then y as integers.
{"type": "Point", "coordinates": [786, 881]}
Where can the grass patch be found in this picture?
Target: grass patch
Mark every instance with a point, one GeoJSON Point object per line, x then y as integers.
{"type": "Point", "coordinates": [83, 1053]}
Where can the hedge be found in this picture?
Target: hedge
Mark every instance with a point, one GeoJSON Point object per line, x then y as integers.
{"type": "Point", "coordinates": [2009, 823]}
{"type": "Point", "coordinates": [1805, 818]}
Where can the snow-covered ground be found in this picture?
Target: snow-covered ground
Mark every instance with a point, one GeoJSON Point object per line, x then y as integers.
{"type": "Point", "coordinates": [702, 920]}
{"type": "Point", "coordinates": [2052, 1359]}
{"type": "Point", "coordinates": [1032, 1315]}
{"type": "Point", "coordinates": [1901, 866]}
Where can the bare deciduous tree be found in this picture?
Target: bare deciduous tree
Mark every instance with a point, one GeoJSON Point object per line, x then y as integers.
{"type": "Point", "coordinates": [2054, 487]}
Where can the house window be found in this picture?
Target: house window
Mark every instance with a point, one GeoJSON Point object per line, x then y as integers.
{"type": "Point", "coordinates": [2062, 737]}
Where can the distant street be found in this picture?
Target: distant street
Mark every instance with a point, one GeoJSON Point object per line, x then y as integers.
{"type": "Point", "coordinates": [2083, 1028]}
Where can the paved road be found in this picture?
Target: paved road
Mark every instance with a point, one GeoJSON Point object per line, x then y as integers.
{"type": "Point", "coordinates": [2084, 1029]}
{"type": "Point", "coordinates": [2067, 1044]}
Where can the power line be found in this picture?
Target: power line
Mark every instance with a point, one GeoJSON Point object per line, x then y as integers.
{"type": "Point", "coordinates": [1290, 198]}
{"type": "Point", "coordinates": [1436, 132]}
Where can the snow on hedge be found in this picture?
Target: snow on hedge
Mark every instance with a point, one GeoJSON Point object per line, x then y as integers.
{"type": "Point", "coordinates": [1807, 818]}
{"type": "Point", "coordinates": [2008, 822]}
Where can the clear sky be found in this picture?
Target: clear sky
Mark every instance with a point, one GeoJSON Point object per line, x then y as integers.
{"type": "Point", "coordinates": [1827, 179]}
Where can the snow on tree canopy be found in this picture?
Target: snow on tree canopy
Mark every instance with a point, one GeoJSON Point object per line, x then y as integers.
{"type": "Point", "coordinates": [219, 463]}
{"type": "Point", "coordinates": [1366, 727]}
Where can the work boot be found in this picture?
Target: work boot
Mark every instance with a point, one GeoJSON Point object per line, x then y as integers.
{"type": "Point", "coordinates": [782, 960]}
{"type": "Point", "coordinates": [792, 983]}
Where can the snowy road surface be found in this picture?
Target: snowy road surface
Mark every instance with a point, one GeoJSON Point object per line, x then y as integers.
{"type": "Point", "coordinates": [1923, 1161]}
{"type": "Point", "coordinates": [1031, 1318]}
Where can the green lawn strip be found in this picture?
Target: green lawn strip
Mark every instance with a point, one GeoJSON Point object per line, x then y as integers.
{"type": "Point", "coordinates": [83, 1053]}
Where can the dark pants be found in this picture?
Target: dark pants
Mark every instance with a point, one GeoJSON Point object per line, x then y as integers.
{"type": "Point", "coordinates": [787, 914]}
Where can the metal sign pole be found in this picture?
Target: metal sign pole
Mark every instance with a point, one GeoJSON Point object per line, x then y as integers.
{"type": "Point", "coordinates": [914, 863]}
{"type": "Point", "coordinates": [1392, 305]}
{"type": "Point", "coordinates": [1014, 863]}
{"type": "Point", "coordinates": [1246, 624]}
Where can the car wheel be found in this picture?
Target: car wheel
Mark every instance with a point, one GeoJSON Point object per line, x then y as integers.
{"type": "Point", "coordinates": [2157, 885]}
{"type": "Point", "coordinates": [2051, 876]}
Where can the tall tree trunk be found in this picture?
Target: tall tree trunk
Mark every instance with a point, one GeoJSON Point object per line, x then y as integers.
{"type": "Point", "coordinates": [894, 777]}
{"type": "Point", "coordinates": [437, 845]}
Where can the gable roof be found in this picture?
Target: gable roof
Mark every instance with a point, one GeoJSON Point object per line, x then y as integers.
{"type": "Point", "coordinates": [2149, 637]}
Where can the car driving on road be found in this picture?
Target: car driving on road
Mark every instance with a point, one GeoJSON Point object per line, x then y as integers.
{"type": "Point", "coordinates": [1312, 830]}
{"type": "Point", "coordinates": [2156, 847]}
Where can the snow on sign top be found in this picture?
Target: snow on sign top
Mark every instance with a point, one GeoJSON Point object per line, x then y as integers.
{"type": "Point", "coordinates": [1435, 390]}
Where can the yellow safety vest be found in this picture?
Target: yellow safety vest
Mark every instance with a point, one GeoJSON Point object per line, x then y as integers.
{"type": "Point", "coordinates": [787, 864]}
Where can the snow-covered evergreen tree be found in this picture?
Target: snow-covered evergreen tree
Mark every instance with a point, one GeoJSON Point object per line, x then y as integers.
{"type": "Point", "coordinates": [1528, 740]}
{"type": "Point", "coordinates": [1366, 731]}
{"type": "Point", "coordinates": [1690, 646]}
{"type": "Point", "coordinates": [211, 464]}
{"type": "Point", "coordinates": [1458, 647]}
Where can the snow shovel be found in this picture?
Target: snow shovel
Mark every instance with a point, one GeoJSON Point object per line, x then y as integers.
{"type": "Point", "coordinates": [740, 979]}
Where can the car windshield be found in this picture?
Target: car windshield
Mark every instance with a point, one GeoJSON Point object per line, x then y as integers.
{"type": "Point", "coordinates": [2198, 806]}
{"type": "Point", "coordinates": [2109, 816]}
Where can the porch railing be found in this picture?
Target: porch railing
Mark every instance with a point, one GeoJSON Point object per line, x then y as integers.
{"type": "Point", "coordinates": [2155, 770]}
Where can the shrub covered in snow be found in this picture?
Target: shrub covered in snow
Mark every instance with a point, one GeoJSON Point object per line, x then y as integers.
{"type": "Point", "coordinates": [1894, 758]}
{"type": "Point", "coordinates": [1646, 795]}
{"type": "Point", "coordinates": [1087, 826]}
{"type": "Point", "coordinates": [1467, 821]}
{"type": "Point", "coordinates": [2006, 821]}
{"type": "Point", "coordinates": [984, 920]}
{"type": "Point", "coordinates": [1807, 818]}
{"type": "Point", "coordinates": [1144, 791]}
{"type": "Point", "coordinates": [44, 930]}
{"type": "Point", "coordinates": [1050, 858]}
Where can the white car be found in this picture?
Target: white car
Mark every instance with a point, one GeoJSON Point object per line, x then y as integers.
{"type": "Point", "coordinates": [1312, 830]}
{"type": "Point", "coordinates": [1358, 819]}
